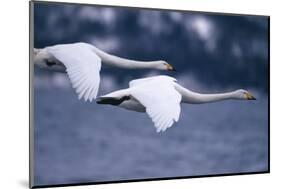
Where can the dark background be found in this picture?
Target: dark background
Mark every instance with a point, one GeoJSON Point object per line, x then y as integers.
{"type": "Point", "coordinates": [83, 142]}
{"type": "Point", "coordinates": [217, 50]}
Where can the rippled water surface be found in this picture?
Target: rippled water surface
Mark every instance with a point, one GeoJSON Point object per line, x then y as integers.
{"type": "Point", "coordinates": [84, 142]}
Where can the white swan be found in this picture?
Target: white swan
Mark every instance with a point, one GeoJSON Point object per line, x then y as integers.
{"type": "Point", "coordinates": [160, 98]}
{"type": "Point", "coordinates": [82, 62]}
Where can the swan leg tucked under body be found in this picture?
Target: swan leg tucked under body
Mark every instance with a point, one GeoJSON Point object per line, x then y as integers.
{"type": "Point", "coordinates": [82, 63]}
{"type": "Point", "coordinates": [160, 98]}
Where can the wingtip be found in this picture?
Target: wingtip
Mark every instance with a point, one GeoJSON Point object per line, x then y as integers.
{"type": "Point", "coordinates": [86, 99]}
{"type": "Point", "coordinates": [160, 130]}
{"type": "Point", "coordinates": [80, 97]}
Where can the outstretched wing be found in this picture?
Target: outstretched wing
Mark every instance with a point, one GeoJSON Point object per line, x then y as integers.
{"type": "Point", "coordinates": [153, 78]}
{"type": "Point", "coordinates": [161, 100]}
{"type": "Point", "coordinates": [82, 66]}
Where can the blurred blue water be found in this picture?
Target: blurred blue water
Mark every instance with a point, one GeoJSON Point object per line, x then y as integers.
{"type": "Point", "coordinates": [84, 142]}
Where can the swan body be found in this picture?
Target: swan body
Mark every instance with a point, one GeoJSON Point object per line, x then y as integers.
{"type": "Point", "coordinates": [160, 97]}
{"type": "Point", "coordinates": [82, 63]}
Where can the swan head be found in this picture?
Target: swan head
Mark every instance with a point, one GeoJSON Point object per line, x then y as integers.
{"type": "Point", "coordinates": [244, 95]}
{"type": "Point", "coordinates": [163, 65]}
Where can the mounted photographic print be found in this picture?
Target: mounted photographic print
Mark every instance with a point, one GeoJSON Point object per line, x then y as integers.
{"type": "Point", "coordinates": [121, 94]}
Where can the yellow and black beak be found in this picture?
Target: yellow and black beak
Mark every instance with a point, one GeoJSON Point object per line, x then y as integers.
{"type": "Point", "coordinates": [170, 67]}
{"type": "Point", "coordinates": [249, 96]}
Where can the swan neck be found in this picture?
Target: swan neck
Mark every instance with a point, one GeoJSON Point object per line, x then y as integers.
{"type": "Point", "coordinates": [122, 62]}
{"type": "Point", "coordinates": [198, 98]}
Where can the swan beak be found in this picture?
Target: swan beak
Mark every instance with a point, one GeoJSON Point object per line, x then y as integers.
{"type": "Point", "coordinates": [170, 67]}
{"type": "Point", "coordinates": [249, 96]}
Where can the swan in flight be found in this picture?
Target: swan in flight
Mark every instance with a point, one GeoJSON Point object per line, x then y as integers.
{"type": "Point", "coordinates": [160, 97]}
{"type": "Point", "coordinates": [82, 62]}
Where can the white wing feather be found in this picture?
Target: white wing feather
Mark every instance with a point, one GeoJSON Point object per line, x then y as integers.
{"type": "Point", "coordinates": [82, 67]}
{"type": "Point", "coordinates": [148, 79]}
{"type": "Point", "coordinates": [161, 100]}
